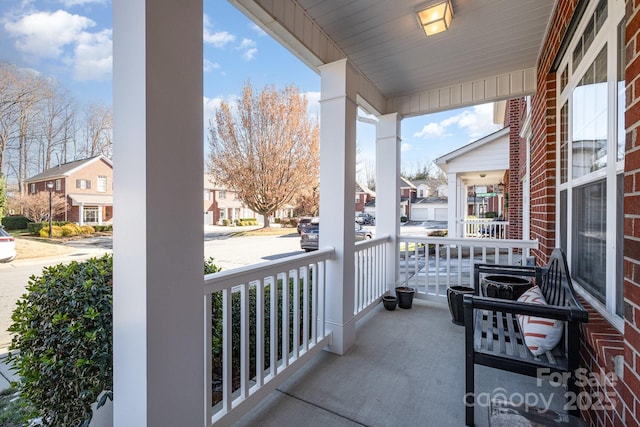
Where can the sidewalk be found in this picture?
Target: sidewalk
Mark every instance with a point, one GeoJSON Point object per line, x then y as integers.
{"type": "Point", "coordinates": [6, 375]}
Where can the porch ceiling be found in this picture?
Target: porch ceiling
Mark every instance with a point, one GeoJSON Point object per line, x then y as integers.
{"type": "Point", "coordinates": [489, 53]}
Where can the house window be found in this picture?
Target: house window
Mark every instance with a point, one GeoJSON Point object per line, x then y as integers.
{"type": "Point", "coordinates": [32, 188]}
{"type": "Point", "coordinates": [357, 198]}
{"type": "Point", "coordinates": [58, 184]}
{"type": "Point", "coordinates": [222, 194]}
{"type": "Point", "coordinates": [102, 184]}
{"type": "Point", "coordinates": [83, 184]}
{"type": "Point", "coordinates": [206, 195]}
{"type": "Point", "coordinates": [590, 155]}
{"type": "Point", "coordinates": [90, 214]}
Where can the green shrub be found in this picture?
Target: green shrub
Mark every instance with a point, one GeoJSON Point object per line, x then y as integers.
{"type": "Point", "coordinates": [225, 222]}
{"type": "Point", "coordinates": [15, 222]}
{"type": "Point", "coordinates": [403, 218]}
{"type": "Point", "coordinates": [35, 227]}
{"type": "Point", "coordinates": [56, 231]}
{"type": "Point", "coordinates": [102, 228]}
{"type": "Point", "coordinates": [277, 221]}
{"type": "Point", "coordinates": [62, 347]}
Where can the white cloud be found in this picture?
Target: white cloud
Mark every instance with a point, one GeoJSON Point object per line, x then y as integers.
{"type": "Point", "coordinates": [313, 104]}
{"type": "Point", "coordinates": [210, 66]}
{"type": "Point", "coordinates": [249, 49]}
{"type": "Point", "coordinates": [405, 146]}
{"type": "Point", "coordinates": [45, 34]}
{"type": "Point", "coordinates": [218, 39]}
{"type": "Point", "coordinates": [93, 56]}
{"type": "Point", "coordinates": [431, 130]}
{"type": "Point", "coordinates": [259, 31]}
{"type": "Point", "coordinates": [475, 122]}
{"type": "Point", "coordinates": [69, 3]}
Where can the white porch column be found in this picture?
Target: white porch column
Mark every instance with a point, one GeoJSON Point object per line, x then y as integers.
{"type": "Point", "coordinates": [388, 190]}
{"type": "Point", "coordinates": [81, 214]}
{"type": "Point", "coordinates": [100, 209]}
{"type": "Point", "coordinates": [158, 323]}
{"type": "Point", "coordinates": [338, 110]}
{"type": "Point", "coordinates": [453, 208]}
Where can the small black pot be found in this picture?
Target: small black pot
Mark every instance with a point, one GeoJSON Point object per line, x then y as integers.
{"type": "Point", "coordinates": [389, 302]}
{"type": "Point", "coordinates": [405, 296]}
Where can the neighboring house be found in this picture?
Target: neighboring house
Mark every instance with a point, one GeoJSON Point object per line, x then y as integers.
{"type": "Point", "coordinates": [364, 195]}
{"type": "Point", "coordinates": [474, 169]}
{"type": "Point", "coordinates": [220, 203]}
{"type": "Point", "coordinates": [407, 195]}
{"type": "Point", "coordinates": [432, 208]}
{"type": "Point", "coordinates": [87, 186]}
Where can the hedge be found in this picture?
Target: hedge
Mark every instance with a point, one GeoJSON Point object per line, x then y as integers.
{"type": "Point", "coordinates": [15, 222]}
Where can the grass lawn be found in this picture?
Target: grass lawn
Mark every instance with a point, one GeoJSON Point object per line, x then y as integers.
{"type": "Point", "coordinates": [271, 231]}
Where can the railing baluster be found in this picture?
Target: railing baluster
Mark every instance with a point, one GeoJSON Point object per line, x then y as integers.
{"type": "Point", "coordinates": [296, 315]}
{"type": "Point", "coordinates": [244, 340]}
{"type": "Point", "coordinates": [260, 332]}
{"type": "Point", "coordinates": [315, 291]}
{"type": "Point", "coordinates": [305, 308]}
{"type": "Point", "coordinates": [273, 327]}
{"type": "Point", "coordinates": [208, 362]}
{"type": "Point", "coordinates": [226, 350]}
{"type": "Point", "coordinates": [285, 320]}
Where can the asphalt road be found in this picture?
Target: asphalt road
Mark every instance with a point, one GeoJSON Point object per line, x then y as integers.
{"type": "Point", "coordinates": [228, 252]}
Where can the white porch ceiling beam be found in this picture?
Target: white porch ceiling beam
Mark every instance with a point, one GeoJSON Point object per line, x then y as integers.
{"type": "Point", "coordinates": [495, 88]}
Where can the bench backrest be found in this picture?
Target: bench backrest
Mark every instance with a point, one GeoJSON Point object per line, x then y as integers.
{"type": "Point", "coordinates": [556, 281]}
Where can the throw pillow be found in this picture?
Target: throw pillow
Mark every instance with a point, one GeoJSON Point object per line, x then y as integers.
{"type": "Point", "coordinates": [540, 334]}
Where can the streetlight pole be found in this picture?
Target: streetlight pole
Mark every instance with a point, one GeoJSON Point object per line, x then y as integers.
{"type": "Point", "coordinates": [50, 188]}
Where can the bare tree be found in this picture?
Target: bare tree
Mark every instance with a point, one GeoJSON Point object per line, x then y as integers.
{"type": "Point", "coordinates": [268, 150]}
{"type": "Point", "coordinates": [98, 128]}
{"type": "Point", "coordinates": [370, 174]}
{"type": "Point", "coordinates": [308, 202]}
{"type": "Point", "coordinates": [36, 206]}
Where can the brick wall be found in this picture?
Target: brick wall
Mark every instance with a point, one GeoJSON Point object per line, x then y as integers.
{"type": "Point", "coordinates": [604, 350]}
{"type": "Point", "coordinates": [631, 391]}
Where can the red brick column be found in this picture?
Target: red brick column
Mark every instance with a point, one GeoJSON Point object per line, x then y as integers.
{"type": "Point", "coordinates": [514, 116]}
{"type": "Point", "coordinates": [632, 219]}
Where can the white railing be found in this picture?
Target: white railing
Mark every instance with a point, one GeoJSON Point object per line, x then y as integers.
{"type": "Point", "coordinates": [483, 228]}
{"type": "Point", "coordinates": [370, 273]}
{"type": "Point", "coordinates": [261, 337]}
{"type": "Point", "coordinates": [432, 264]}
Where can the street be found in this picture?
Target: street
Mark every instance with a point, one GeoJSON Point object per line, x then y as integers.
{"type": "Point", "coordinates": [228, 252]}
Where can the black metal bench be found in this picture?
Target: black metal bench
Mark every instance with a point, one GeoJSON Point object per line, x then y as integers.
{"type": "Point", "coordinates": [492, 332]}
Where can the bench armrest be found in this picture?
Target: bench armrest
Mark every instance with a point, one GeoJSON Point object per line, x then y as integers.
{"type": "Point", "coordinates": [565, 313]}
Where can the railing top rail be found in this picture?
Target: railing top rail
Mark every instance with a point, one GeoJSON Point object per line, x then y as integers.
{"type": "Point", "coordinates": [364, 244]}
{"type": "Point", "coordinates": [482, 221]}
{"type": "Point", "coordinates": [472, 241]}
{"type": "Point", "coordinates": [216, 282]}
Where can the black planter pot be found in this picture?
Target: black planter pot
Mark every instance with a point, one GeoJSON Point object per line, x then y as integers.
{"type": "Point", "coordinates": [455, 296]}
{"type": "Point", "coordinates": [389, 302]}
{"type": "Point", "coordinates": [504, 286]}
{"type": "Point", "coordinates": [405, 296]}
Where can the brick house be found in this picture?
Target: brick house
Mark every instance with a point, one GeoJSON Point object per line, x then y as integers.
{"type": "Point", "coordinates": [87, 187]}
{"type": "Point", "coordinates": [364, 195]}
{"type": "Point", "coordinates": [574, 180]}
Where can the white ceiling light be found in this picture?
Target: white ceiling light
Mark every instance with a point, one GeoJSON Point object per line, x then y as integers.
{"type": "Point", "coordinates": [435, 17]}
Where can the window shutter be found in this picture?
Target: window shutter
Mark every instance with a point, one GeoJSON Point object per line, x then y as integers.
{"type": "Point", "coordinates": [88, 184]}
{"type": "Point", "coordinates": [78, 183]}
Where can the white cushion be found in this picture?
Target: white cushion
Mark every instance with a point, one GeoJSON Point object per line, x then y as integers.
{"type": "Point", "coordinates": [540, 334]}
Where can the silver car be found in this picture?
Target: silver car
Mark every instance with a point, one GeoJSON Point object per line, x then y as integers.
{"type": "Point", "coordinates": [309, 237]}
{"type": "Point", "coordinates": [7, 246]}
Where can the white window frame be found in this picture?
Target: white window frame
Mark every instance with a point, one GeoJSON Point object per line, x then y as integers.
{"type": "Point", "coordinates": [607, 35]}
{"type": "Point", "coordinates": [58, 184]}
{"type": "Point", "coordinates": [101, 184]}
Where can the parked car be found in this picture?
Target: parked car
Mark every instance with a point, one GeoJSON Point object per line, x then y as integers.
{"type": "Point", "coordinates": [365, 218]}
{"type": "Point", "coordinates": [305, 222]}
{"type": "Point", "coordinates": [7, 246]}
{"type": "Point", "coordinates": [309, 237]}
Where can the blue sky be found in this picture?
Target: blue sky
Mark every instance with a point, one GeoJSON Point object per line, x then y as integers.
{"type": "Point", "coordinates": [70, 40]}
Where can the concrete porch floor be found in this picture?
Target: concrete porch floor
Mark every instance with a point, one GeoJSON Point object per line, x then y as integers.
{"type": "Point", "coordinates": [406, 369]}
